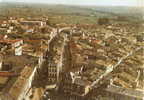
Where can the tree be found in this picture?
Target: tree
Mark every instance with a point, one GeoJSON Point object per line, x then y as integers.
{"type": "Point", "coordinates": [103, 21]}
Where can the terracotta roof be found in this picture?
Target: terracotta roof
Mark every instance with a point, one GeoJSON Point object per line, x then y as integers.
{"type": "Point", "coordinates": [10, 41]}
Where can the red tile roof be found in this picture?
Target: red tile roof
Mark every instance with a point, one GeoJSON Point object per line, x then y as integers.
{"type": "Point", "coordinates": [10, 41]}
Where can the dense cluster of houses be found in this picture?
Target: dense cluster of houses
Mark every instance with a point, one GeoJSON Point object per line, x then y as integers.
{"type": "Point", "coordinates": [80, 61]}
{"type": "Point", "coordinates": [103, 58]}
{"type": "Point", "coordinates": [20, 25]}
{"type": "Point", "coordinates": [20, 58]}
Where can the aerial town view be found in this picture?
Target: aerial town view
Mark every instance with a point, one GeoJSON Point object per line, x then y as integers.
{"type": "Point", "coordinates": [71, 50]}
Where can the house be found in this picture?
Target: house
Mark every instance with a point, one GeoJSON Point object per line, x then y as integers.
{"type": "Point", "coordinates": [53, 71]}
{"type": "Point", "coordinates": [19, 71]}
{"type": "Point", "coordinates": [14, 45]}
{"type": "Point", "coordinates": [9, 31]}
{"type": "Point", "coordinates": [12, 20]}
{"type": "Point", "coordinates": [3, 30]}
{"type": "Point", "coordinates": [4, 24]}
{"type": "Point", "coordinates": [21, 87]}
{"type": "Point", "coordinates": [31, 23]}
{"type": "Point", "coordinates": [75, 86]}
{"type": "Point", "coordinates": [54, 61]}
{"type": "Point", "coordinates": [18, 51]}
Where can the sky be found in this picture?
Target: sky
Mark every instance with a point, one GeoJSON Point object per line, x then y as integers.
{"type": "Point", "coordinates": [85, 2]}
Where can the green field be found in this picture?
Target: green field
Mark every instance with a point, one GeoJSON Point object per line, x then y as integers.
{"type": "Point", "coordinates": [68, 14]}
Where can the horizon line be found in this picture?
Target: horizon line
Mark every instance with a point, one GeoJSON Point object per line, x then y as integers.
{"type": "Point", "coordinates": [69, 4]}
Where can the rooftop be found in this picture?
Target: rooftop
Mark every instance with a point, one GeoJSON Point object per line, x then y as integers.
{"type": "Point", "coordinates": [123, 91]}
{"type": "Point", "coordinates": [20, 83]}
{"type": "Point", "coordinates": [16, 64]}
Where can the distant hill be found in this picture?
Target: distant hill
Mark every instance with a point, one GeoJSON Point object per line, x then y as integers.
{"type": "Point", "coordinates": [25, 9]}
{"type": "Point", "coordinates": [120, 10]}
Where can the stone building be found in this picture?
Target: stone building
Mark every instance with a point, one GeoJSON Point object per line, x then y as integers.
{"type": "Point", "coordinates": [14, 46]}
{"type": "Point", "coordinates": [21, 87]}
{"type": "Point", "coordinates": [75, 86]}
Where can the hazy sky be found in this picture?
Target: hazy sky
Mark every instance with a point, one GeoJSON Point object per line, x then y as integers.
{"type": "Point", "coordinates": [86, 2]}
